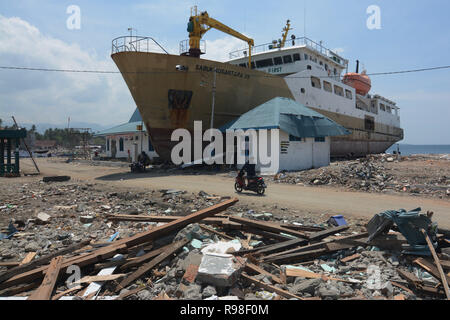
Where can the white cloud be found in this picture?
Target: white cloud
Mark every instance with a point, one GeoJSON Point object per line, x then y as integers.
{"type": "Point", "coordinates": [219, 49]}
{"type": "Point", "coordinates": [52, 97]}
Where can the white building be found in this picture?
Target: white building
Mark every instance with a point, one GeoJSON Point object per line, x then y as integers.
{"type": "Point", "coordinates": [304, 135]}
{"type": "Point", "coordinates": [127, 140]}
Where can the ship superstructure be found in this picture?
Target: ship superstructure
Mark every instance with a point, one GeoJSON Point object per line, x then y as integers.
{"type": "Point", "coordinates": [173, 91]}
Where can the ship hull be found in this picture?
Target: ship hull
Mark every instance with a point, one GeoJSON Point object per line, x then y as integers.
{"type": "Point", "coordinates": [169, 99]}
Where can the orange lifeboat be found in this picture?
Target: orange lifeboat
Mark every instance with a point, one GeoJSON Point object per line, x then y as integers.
{"type": "Point", "coordinates": [360, 81]}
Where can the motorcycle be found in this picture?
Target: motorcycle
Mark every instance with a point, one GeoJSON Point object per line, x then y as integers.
{"type": "Point", "coordinates": [258, 185]}
{"type": "Point", "coordinates": [137, 167]}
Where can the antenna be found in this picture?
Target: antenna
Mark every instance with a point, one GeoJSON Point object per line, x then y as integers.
{"type": "Point", "coordinates": [304, 19]}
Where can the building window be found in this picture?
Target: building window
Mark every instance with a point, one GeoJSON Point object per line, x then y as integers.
{"type": "Point", "coordinates": [319, 139]}
{"type": "Point", "coordinates": [326, 67]}
{"type": "Point", "coordinates": [327, 86]}
{"type": "Point", "coordinates": [369, 123]}
{"type": "Point", "coordinates": [288, 59]}
{"type": "Point", "coordinates": [264, 63]}
{"type": "Point", "coordinates": [297, 57]}
{"type": "Point", "coordinates": [315, 82]}
{"type": "Point", "coordinates": [150, 146]}
{"type": "Point", "coordinates": [302, 90]}
{"type": "Point", "coordinates": [243, 65]}
{"type": "Point", "coordinates": [338, 91]}
{"type": "Point", "coordinates": [306, 56]}
{"type": "Point", "coordinates": [348, 94]}
{"type": "Point", "coordinates": [382, 107]}
{"type": "Point", "coordinates": [278, 61]}
{"type": "Point", "coordinates": [121, 144]}
{"type": "Point", "coordinates": [321, 63]}
{"type": "Point", "coordinates": [107, 144]}
{"type": "Point", "coordinates": [309, 67]}
{"type": "Point", "coordinates": [253, 65]}
{"type": "Point", "coordinates": [294, 138]}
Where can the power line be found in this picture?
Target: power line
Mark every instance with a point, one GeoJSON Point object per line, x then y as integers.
{"type": "Point", "coordinates": [175, 72]}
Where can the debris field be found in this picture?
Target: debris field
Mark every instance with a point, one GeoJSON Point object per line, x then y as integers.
{"type": "Point", "coordinates": [69, 240]}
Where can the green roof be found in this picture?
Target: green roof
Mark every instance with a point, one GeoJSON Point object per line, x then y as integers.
{"type": "Point", "coordinates": [129, 127]}
{"type": "Point", "coordinates": [289, 116]}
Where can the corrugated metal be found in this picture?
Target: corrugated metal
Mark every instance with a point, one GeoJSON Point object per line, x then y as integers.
{"type": "Point", "coordinates": [289, 116]}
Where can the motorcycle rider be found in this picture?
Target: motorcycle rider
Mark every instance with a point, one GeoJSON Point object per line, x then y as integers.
{"type": "Point", "coordinates": [250, 170]}
{"type": "Point", "coordinates": [143, 159]}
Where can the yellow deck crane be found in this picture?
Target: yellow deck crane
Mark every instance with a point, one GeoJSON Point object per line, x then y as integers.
{"type": "Point", "coordinates": [201, 23]}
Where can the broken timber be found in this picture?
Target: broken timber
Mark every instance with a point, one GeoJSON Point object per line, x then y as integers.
{"type": "Point", "coordinates": [148, 266]}
{"type": "Point", "coordinates": [121, 245]}
{"type": "Point", "coordinates": [271, 288]}
{"type": "Point", "coordinates": [44, 292]}
{"type": "Point", "coordinates": [267, 226]}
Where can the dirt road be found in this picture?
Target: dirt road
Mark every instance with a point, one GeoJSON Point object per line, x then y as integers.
{"type": "Point", "coordinates": [311, 199]}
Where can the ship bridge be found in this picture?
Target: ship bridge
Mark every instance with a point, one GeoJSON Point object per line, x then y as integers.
{"type": "Point", "coordinates": [269, 58]}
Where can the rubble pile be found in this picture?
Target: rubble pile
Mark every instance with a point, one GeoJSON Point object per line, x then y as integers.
{"type": "Point", "coordinates": [379, 173]}
{"type": "Point", "coordinates": [71, 241]}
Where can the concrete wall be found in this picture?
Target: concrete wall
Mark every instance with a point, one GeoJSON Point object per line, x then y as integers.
{"type": "Point", "coordinates": [297, 155]}
{"type": "Point", "coordinates": [131, 145]}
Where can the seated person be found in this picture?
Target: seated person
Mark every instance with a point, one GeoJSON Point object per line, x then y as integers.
{"type": "Point", "coordinates": [143, 159]}
{"type": "Point", "coordinates": [250, 169]}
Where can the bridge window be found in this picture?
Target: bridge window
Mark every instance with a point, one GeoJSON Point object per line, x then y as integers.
{"type": "Point", "coordinates": [348, 94]}
{"type": "Point", "coordinates": [278, 60]}
{"type": "Point", "coordinates": [339, 91]}
{"type": "Point", "coordinates": [288, 59]}
{"type": "Point", "coordinates": [264, 63]}
{"type": "Point", "coordinates": [327, 86]}
{"type": "Point", "coordinates": [315, 82]}
{"type": "Point", "coordinates": [297, 57]}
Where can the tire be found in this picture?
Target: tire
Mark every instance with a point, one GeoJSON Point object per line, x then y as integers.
{"type": "Point", "coordinates": [238, 187]}
{"type": "Point", "coordinates": [261, 189]}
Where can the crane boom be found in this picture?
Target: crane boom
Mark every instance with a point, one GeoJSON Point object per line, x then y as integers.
{"type": "Point", "coordinates": [201, 23]}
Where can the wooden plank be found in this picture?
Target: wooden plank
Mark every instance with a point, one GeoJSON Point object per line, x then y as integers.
{"type": "Point", "coordinates": [139, 260]}
{"type": "Point", "coordinates": [253, 267]}
{"type": "Point", "coordinates": [123, 244]}
{"type": "Point", "coordinates": [326, 233]}
{"type": "Point", "coordinates": [44, 292]}
{"type": "Point", "coordinates": [270, 288]}
{"type": "Point", "coordinates": [294, 272]}
{"type": "Point", "coordinates": [351, 258]}
{"type": "Point", "coordinates": [301, 228]}
{"type": "Point", "coordinates": [398, 285]}
{"type": "Point", "coordinates": [41, 261]}
{"type": "Point", "coordinates": [298, 256]}
{"type": "Point", "coordinates": [267, 234]}
{"type": "Point", "coordinates": [442, 275]}
{"type": "Point", "coordinates": [100, 278]}
{"type": "Point", "coordinates": [211, 230]}
{"type": "Point", "coordinates": [430, 268]}
{"type": "Point", "coordinates": [148, 266]}
{"type": "Point", "coordinates": [267, 226]}
{"type": "Point", "coordinates": [28, 258]}
{"type": "Point", "coordinates": [9, 264]}
{"type": "Point", "coordinates": [62, 294]}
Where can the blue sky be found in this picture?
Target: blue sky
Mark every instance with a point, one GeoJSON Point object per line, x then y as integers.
{"type": "Point", "coordinates": [414, 34]}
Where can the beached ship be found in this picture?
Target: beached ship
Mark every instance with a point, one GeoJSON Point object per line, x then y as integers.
{"type": "Point", "coordinates": [173, 91]}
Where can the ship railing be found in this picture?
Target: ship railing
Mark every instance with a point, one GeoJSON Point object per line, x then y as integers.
{"type": "Point", "coordinates": [136, 44]}
{"type": "Point", "coordinates": [303, 41]}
